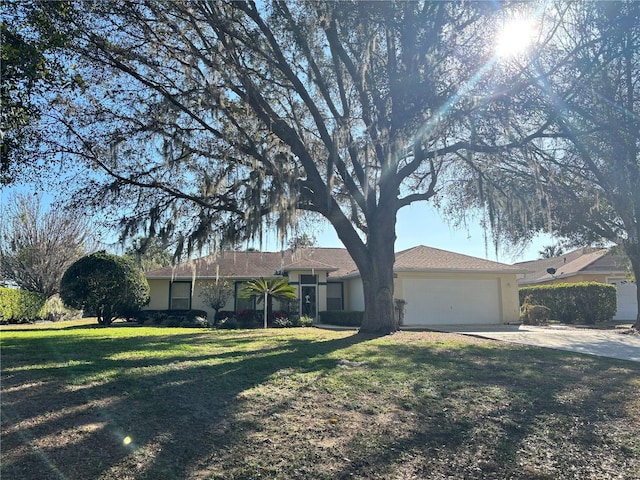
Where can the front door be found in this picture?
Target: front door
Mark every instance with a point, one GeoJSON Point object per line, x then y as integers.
{"type": "Point", "coordinates": [308, 301]}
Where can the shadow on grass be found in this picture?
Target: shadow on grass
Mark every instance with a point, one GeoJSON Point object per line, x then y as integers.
{"type": "Point", "coordinates": [105, 408]}
{"type": "Point", "coordinates": [508, 413]}
{"type": "Point", "coordinates": [257, 404]}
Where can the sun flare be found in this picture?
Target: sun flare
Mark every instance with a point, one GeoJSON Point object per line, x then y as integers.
{"type": "Point", "coordinates": [515, 36]}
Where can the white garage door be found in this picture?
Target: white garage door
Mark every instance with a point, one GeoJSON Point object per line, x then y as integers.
{"type": "Point", "coordinates": [451, 302]}
{"type": "Point", "coordinates": [627, 301]}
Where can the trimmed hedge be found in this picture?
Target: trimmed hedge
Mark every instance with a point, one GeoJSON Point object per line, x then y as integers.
{"type": "Point", "coordinates": [342, 318]}
{"type": "Point", "coordinates": [584, 302]}
{"type": "Point", "coordinates": [21, 306]}
{"type": "Point", "coordinates": [172, 318]}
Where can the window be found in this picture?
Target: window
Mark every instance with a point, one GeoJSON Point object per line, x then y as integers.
{"type": "Point", "coordinates": [180, 296]}
{"type": "Point", "coordinates": [334, 296]}
{"type": "Point", "coordinates": [243, 304]}
{"type": "Point", "coordinates": [308, 279]}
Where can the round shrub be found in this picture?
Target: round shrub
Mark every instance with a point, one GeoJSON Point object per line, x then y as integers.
{"type": "Point", "coordinates": [107, 285]}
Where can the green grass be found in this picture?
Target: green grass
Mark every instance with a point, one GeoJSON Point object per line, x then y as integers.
{"type": "Point", "coordinates": [155, 403]}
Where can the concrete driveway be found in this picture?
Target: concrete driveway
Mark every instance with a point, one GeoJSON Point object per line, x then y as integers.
{"type": "Point", "coordinates": [611, 343]}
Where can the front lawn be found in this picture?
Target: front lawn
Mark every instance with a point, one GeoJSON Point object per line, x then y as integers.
{"type": "Point", "coordinates": [87, 402]}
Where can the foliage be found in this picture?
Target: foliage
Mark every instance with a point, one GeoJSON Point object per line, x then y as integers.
{"type": "Point", "coordinates": [37, 246]}
{"type": "Point", "coordinates": [581, 181]}
{"type": "Point", "coordinates": [222, 314]}
{"type": "Point", "coordinates": [56, 311]}
{"type": "Point", "coordinates": [533, 314]}
{"type": "Point", "coordinates": [349, 111]}
{"type": "Point", "coordinates": [20, 306]}
{"type": "Point", "coordinates": [584, 302]}
{"type": "Point", "coordinates": [228, 323]}
{"type": "Point", "coordinates": [247, 318]}
{"type": "Point", "coordinates": [30, 68]}
{"type": "Point", "coordinates": [283, 320]}
{"type": "Point", "coordinates": [266, 289]}
{"type": "Point", "coordinates": [342, 318]}
{"type": "Point", "coordinates": [172, 318]}
{"type": "Point", "coordinates": [302, 241]}
{"type": "Point", "coordinates": [109, 285]}
{"type": "Point", "coordinates": [551, 251]}
{"type": "Point", "coordinates": [149, 253]}
{"type": "Point", "coordinates": [304, 321]}
{"type": "Point", "coordinates": [216, 294]}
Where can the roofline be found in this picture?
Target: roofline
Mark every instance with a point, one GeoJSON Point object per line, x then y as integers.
{"type": "Point", "coordinates": [457, 270]}
{"type": "Point", "coordinates": [289, 268]}
{"type": "Point", "coordinates": [350, 275]}
{"type": "Point", "coordinates": [209, 277]}
{"type": "Point", "coordinates": [573, 274]}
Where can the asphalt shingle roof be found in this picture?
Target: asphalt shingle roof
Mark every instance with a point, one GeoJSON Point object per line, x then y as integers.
{"type": "Point", "coordinates": [335, 260]}
{"type": "Point", "coordinates": [583, 260]}
{"type": "Point", "coordinates": [423, 258]}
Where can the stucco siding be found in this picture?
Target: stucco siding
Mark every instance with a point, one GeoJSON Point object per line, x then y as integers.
{"type": "Point", "coordinates": [159, 295]}
{"type": "Point", "coordinates": [354, 295]}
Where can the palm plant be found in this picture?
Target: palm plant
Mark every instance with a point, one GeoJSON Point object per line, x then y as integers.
{"type": "Point", "coordinates": [263, 289]}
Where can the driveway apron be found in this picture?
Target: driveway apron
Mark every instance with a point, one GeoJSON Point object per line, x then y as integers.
{"type": "Point", "coordinates": [613, 343]}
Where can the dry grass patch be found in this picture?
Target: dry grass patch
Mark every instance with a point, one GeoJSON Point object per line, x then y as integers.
{"type": "Point", "coordinates": [154, 403]}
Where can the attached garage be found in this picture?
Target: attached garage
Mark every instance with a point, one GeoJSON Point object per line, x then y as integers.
{"type": "Point", "coordinates": [446, 288]}
{"type": "Point", "coordinates": [451, 301]}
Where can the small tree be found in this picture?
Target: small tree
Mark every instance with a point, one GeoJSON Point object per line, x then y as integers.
{"type": "Point", "coordinates": [216, 295]}
{"type": "Point", "coordinates": [109, 285]}
{"type": "Point", "coordinates": [37, 245]}
{"type": "Point", "coordinates": [264, 290]}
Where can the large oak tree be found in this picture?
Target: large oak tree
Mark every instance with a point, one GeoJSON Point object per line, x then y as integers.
{"type": "Point", "coordinates": [581, 180]}
{"type": "Point", "coordinates": [220, 118]}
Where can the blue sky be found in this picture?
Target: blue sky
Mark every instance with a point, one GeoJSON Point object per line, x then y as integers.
{"type": "Point", "coordinates": [421, 224]}
{"type": "Point", "coordinates": [418, 224]}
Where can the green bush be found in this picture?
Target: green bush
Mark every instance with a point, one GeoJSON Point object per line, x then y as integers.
{"type": "Point", "coordinates": [172, 318]}
{"type": "Point", "coordinates": [222, 314]}
{"type": "Point", "coordinates": [56, 311]}
{"type": "Point", "coordinates": [293, 321]}
{"type": "Point", "coordinates": [228, 323]}
{"type": "Point", "coordinates": [108, 285]}
{"type": "Point", "coordinates": [342, 318]}
{"type": "Point", "coordinates": [21, 306]}
{"type": "Point", "coordinates": [585, 302]}
{"type": "Point", "coordinates": [533, 314]}
{"type": "Point", "coordinates": [304, 321]}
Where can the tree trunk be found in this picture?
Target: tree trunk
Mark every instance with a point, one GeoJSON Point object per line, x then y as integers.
{"type": "Point", "coordinates": [377, 277]}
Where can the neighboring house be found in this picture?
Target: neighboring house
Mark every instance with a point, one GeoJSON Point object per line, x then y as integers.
{"type": "Point", "coordinates": [586, 265]}
{"type": "Point", "coordinates": [440, 287]}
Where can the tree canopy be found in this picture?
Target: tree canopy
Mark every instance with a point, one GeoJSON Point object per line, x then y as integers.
{"type": "Point", "coordinates": [32, 65]}
{"type": "Point", "coordinates": [149, 253]}
{"type": "Point", "coordinates": [221, 118]}
{"type": "Point", "coordinates": [581, 180]}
